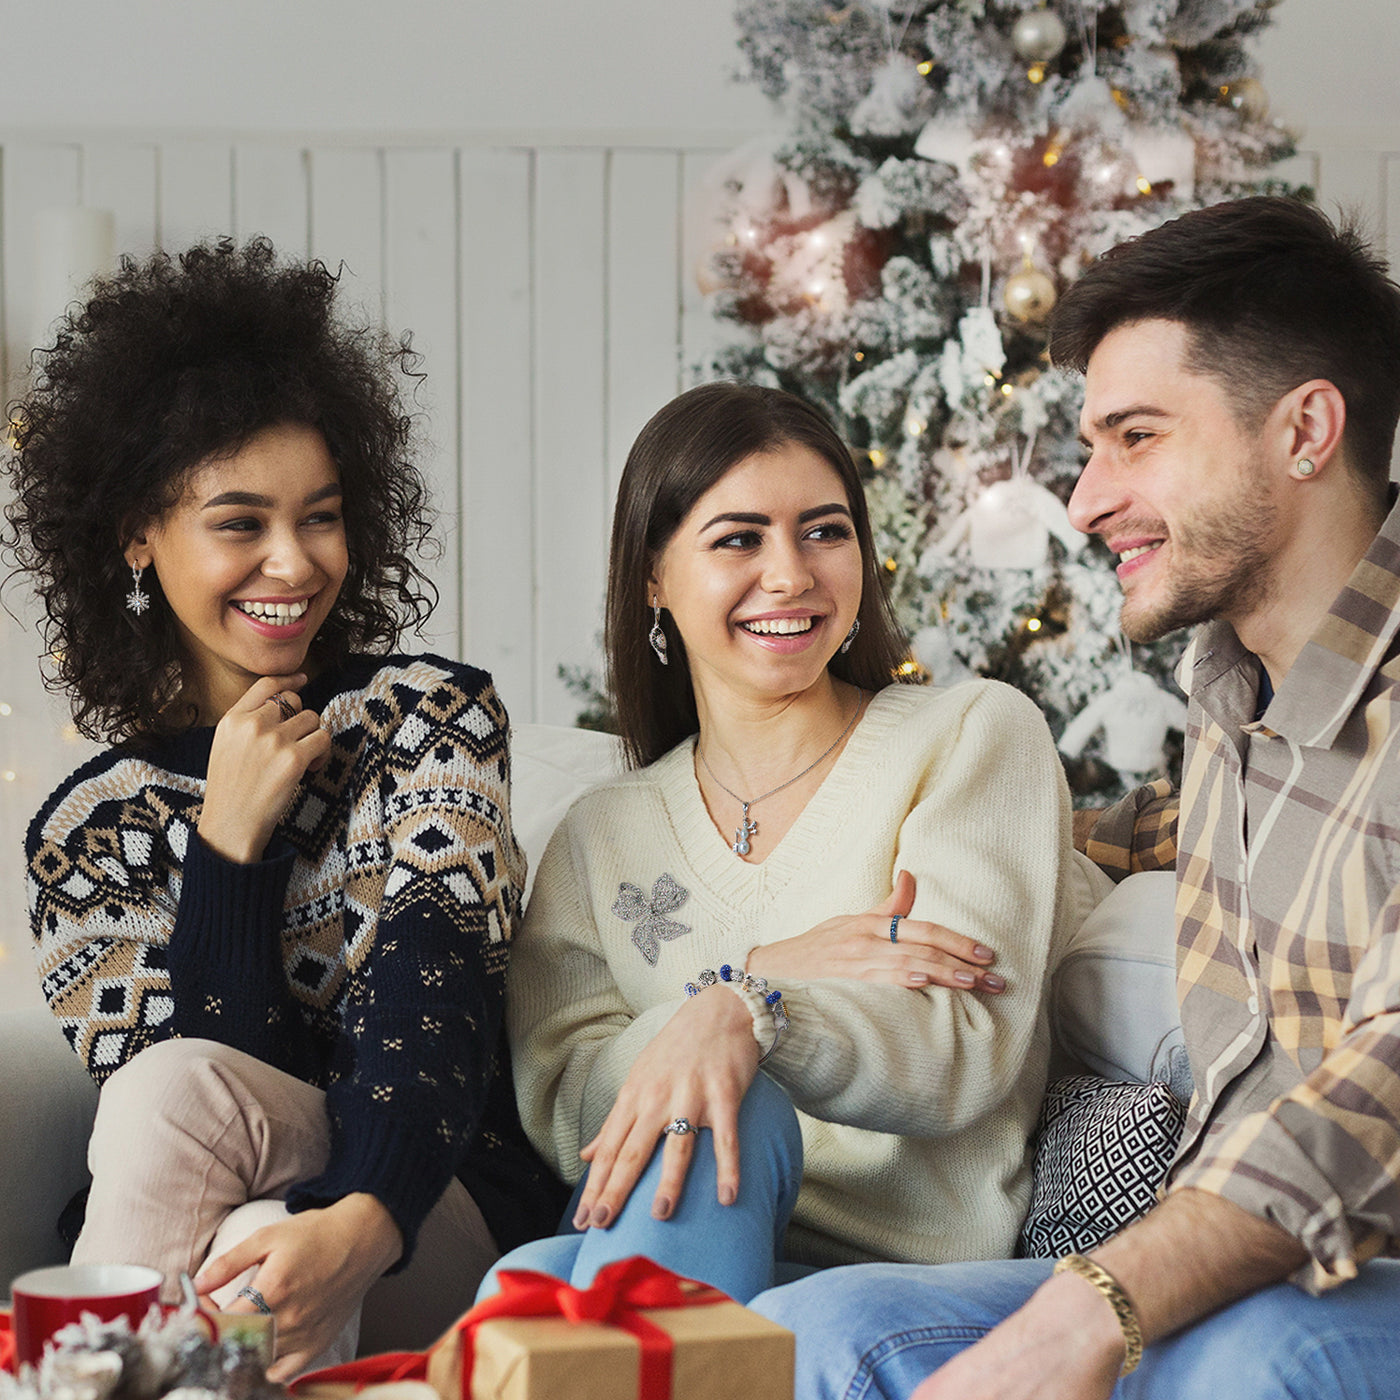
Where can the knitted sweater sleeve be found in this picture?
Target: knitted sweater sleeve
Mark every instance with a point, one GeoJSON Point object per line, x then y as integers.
{"type": "Point", "coordinates": [425, 996]}
{"type": "Point", "coordinates": [573, 1034]}
{"type": "Point", "coordinates": [988, 843]}
{"type": "Point", "coordinates": [143, 933]}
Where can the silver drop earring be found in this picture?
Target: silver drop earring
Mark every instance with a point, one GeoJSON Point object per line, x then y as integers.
{"type": "Point", "coordinates": [137, 600]}
{"type": "Point", "coordinates": [850, 636]}
{"type": "Point", "coordinates": [656, 636]}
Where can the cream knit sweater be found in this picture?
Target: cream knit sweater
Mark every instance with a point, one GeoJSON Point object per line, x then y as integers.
{"type": "Point", "coordinates": [916, 1106]}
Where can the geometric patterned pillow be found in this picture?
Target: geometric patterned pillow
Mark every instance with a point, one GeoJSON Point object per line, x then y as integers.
{"type": "Point", "coordinates": [1101, 1151]}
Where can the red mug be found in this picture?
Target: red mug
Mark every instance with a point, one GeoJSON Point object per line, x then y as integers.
{"type": "Point", "coordinates": [45, 1300]}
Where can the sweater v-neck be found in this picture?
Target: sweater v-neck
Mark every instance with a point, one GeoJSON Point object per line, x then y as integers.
{"type": "Point", "coordinates": [812, 832]}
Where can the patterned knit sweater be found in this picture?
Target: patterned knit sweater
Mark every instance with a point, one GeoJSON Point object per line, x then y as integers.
{"type": "Point", "coordinates": [365, 953]}
{"type": "Point", "coordinates": [915, 1106]}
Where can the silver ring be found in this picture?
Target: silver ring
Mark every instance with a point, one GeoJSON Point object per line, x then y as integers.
{"type": "Point", "coordinates": [255, 1298]}
{"type": "Point", "coordinates": [894, 928]}
{"type": "Point", "coordinates": [679, 1126]}
{"type": "Point", "coordinates": [284, 705]}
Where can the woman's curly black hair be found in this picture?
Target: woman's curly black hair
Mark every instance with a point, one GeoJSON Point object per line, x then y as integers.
{"type": "Point", "coordinates": [169, 364]}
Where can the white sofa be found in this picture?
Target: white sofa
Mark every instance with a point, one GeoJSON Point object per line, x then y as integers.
{"type": "Point", "coordinates": [1114, 1009]}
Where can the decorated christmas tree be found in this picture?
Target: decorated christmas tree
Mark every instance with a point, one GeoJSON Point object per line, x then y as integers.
{"type": "Point", "coordinates": [946, 169]}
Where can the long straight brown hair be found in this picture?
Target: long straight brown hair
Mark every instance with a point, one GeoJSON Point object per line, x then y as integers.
{"type": "Point", "coordinates": [682, 452]}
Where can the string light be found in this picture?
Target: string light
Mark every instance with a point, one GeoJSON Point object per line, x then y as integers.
{"type": "Point", "coordinates": [914, 425]}
{"type": "Point", "coordinates": [1144, 185]}
{"type": "Point", "coordinates": [925, 68]}
{"type": "Point", "coordinates": [1033, 624]}
{"type": "Point", "coordinates": [1036, 73]}
{"type": "Point", "coordinates": [859, 356]}
{"type": "Point", "coordinates": [1052, 156]}
{"type": "Point", "coordinates": [877, 458]}
{"type": "Point", "coordinates": [891, 565]}
{"type": "Point", "coordinates": [1007, 390]}
{"type": "Point", "coordinates": [5, 708]}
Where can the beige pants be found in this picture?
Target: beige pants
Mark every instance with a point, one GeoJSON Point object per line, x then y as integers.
{"type": "Point", "coordinates": [194, 1147]}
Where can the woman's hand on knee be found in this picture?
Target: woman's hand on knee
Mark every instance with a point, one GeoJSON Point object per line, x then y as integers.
{"type": "Point", "coordinates": [697, 1068]}
{"type": "Point", "coordinates": [313, 1270]}
{"type": "Point", "coordinates": [858, 947]}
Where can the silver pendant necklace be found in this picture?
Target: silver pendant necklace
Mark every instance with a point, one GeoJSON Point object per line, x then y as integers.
{"type": "Point", "coordinates": [746, 828]}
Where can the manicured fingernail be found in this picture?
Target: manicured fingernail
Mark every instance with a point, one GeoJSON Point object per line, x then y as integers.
{"type": "Point", "coordinates": [965, 979]}
{"type": "Point", "coordinates": [600, 1217]}
{"type": "Point", "coordinates": [993, 983]}
{"type": "Point", "coordinates": [727, 1195]}
{"type": "Point", "coordinates": [983, 954]}
{"type": "Point", "coordinates": [581, 1218]}
{"type": "Point", "coordinates": [661, 1208]}
{"type": "Point", "coordinates": [918, 979]}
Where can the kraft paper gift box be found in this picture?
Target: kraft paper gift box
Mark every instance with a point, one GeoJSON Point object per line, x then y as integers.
{"type": "Point", "coordinates": [638, 1333]}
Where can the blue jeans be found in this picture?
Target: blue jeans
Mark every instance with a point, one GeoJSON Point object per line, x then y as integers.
{"type": "Point", "coordinates": [734, 1248]}
{"type": "Point", "coordinates": [874, 1331]}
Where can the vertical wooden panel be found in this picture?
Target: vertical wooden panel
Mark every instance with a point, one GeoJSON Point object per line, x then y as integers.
{"type": "Point", "coordinates": [421, 296]}
{"type": "Point", "coordinates": [196, 193]}
{"type": "Point", "coordinates": [700, 332]}
{"type": "Point", "coordinates": [498, 479]}
{"type": "Point", "coordinates": [270, 196]}
{"type": "Point", "coordinates": [572, 503]}
{"type": "Point", "coordinates": [122, 178]}
{"type": "Point", "coordinates": [1350, 178]}
{"type": "Point", "coordinates": [347, 222]}
{"type": "Point", "coordinates": [35, 177]}
{"type": "Point", "coordinates": [643, 308]}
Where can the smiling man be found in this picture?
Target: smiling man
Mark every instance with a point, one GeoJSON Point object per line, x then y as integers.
{"type": "Point", "coordinates": [1242, 371]}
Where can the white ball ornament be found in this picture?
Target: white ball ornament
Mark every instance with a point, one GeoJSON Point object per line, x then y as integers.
{"type": "Point", "coordinates": [1029, 295]}
{"type": "Point", "coordinates": [1038, 36]}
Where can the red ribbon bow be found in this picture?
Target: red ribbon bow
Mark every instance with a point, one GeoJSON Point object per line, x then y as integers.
{"type": "Point", "coordinates": [617, 1296]}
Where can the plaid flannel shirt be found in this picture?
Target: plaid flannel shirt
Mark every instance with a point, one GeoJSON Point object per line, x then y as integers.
{"type": "Point", "coordinates": [1288, 924]}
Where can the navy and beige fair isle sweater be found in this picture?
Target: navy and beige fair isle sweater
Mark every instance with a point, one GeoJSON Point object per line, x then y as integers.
{"type": "Point", "coordinates": [365, 953]}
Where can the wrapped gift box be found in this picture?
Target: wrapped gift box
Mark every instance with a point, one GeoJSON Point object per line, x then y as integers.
{"type": "Point", "coordinates": [639, 1333]}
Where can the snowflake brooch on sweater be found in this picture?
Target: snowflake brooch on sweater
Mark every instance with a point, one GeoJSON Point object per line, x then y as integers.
{"type": "Point", "coordinates": [650, 914]}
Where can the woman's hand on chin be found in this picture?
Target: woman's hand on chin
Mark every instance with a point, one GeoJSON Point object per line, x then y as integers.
{"type": "Point", "coordinates": [858, 947]}
{"type": "Point", "coordinates": [262, 748]}
{"type": "Point", "coordinates": [698, 1067]}
{"type": "Point", "coordinates": [313, 1270]}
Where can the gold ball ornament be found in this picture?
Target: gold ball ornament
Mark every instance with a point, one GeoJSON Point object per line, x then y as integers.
{"type": "Point", "coordinates": [1029, 295]}
{"type": "Point", "coordinates": [1038, 36]}
{"type": "Point", "coordinates": [1249, 97]}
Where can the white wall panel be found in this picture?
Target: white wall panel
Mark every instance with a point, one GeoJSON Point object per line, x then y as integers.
{"type": "Point", "coordinates": [196, 192]}
{"type": "Point", "coordinates": [643, 294]}
{"type": "Point", "coordinates": [421, 296]}
{"type": "Point", "coordinates": [35, 177]}
{"type": "Point", "coordinates": [571, 503]}
{"type": "Point", "coordinates": [270, 196]}
{"type": "Point", "coordinates": [347, 223]}
{"type": "Point", "coordinates": [499, 573]}
{"type": "Point", "coordinates": [123, 178]}
{"type": "Point", "coordinates": [699, 329]}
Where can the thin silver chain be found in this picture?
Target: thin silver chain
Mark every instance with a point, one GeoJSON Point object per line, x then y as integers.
{"type": "Point", "coordinates": [747, 802]}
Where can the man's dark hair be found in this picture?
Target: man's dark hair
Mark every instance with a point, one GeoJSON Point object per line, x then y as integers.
{"type": "Point", "coordinates": [1272, 294]}
{"type": "Point", "coordinates": [172, 363]}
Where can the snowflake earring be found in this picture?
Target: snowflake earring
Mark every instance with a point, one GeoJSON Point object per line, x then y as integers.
{"type": "Point", "coordinates": [850, 636]}
{"type": "Point", "coordinates": [656, 636]}
{"type": "Point", "coordinates": [137, 601]}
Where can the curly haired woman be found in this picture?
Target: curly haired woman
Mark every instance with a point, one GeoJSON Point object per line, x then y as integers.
{"type": "Point", "coordinates": [273, 917]}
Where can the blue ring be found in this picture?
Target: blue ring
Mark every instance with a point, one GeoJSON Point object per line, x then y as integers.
{"type": "Point", "coordinates": [894, 928]}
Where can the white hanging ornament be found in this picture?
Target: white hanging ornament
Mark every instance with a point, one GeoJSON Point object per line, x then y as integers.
{"type": "Point", "coordinates": [933, 648]}
{"type": "Point", "coordinates": [1038, 36]}
{"type": "Point", "coordinates": [1135, 714]}
{"type": "Point", "coordinates": [897, 101]}
{"type": "Point", "coordinates": [1029, 294]}
{"type": "Point", "coordinates": [1009, 527]}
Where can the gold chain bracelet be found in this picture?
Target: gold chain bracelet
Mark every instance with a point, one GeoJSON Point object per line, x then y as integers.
{"type": "Point", "coordinates": [1112, 1290]}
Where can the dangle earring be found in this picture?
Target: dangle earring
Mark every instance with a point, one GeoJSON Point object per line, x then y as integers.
{"type": "Point", "coordinates": [656, 636]}
{"type": "Point", "coordinates": [137, 601]}
{"type": "Point", "coordinates": [850, 636]}
{"type": "Point", "coordinates": [1305, 467]}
